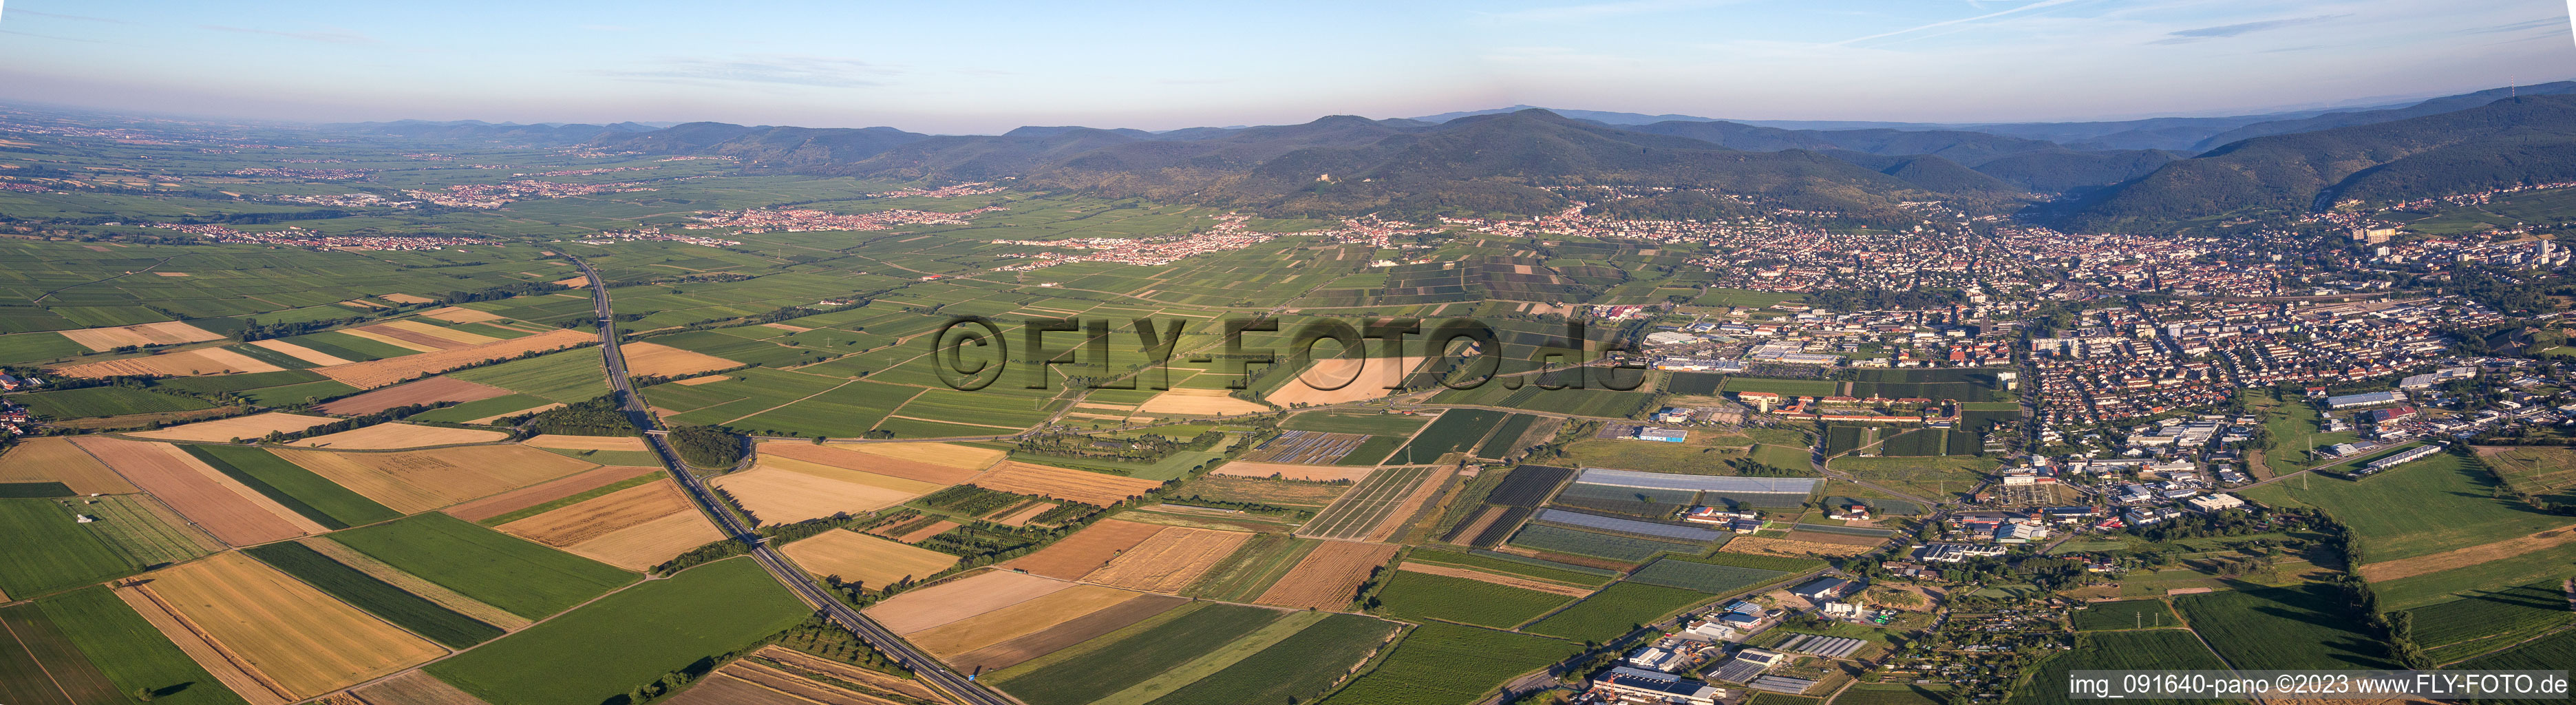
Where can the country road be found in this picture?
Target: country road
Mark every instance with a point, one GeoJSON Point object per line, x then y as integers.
{"type": "Point", "coordinates": [960, 687]}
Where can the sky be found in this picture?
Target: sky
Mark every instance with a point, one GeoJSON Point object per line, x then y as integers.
{"type": "Point", "coordinates": [966, 67]}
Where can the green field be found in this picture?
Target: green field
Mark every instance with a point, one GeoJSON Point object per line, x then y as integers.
{"type": "Point", "coordinates": [2282, 628]}
{"type": "Point", "coordinates": [2424, 507]}
{"type": "Point", "coordinates": [1416, 597]}
{"type": "Point", "coordinates": [377, 597]}
{"type": "Point", "coordinates": [626, 640]}
{"type": "Point", "coordinates": [39, 664]}
{"type": "Point", "coordinates": [2127, 614]}
{"type": "Point", "coordinates": [522, 577]}
{"type": "Point", "coordinates": [1705, 577]}
{"type": "Point", "coordinates": [104, 401]}
{"type": "Point", "coordinates": [1880, 694]}
{"type": "Point", "coordinates": [2551, 653]}
{"type": "Point", "coordinates": [233, 383]}
{"type": "Point", "coordinates": [2147, 650]}
{"type": "Point", "coordinates": [1454, 431]}
{"type": "Point", "coordinates": [47, 551]}
{"type": "Point", "coordinates": [1584, 543]}
{"type": "Point", "coordinates": [1447, 664]}
{"type": "Point", "coordinates": [1615, 610]}
{"type": "Point", "coordinates": [2490, 619]}
{"type": "Point", "coordinates": [468, 411]}
{"type": "Point", "coordinates": [133, 654]}
{"type": "Point", "coordinates": [298, 393]}
{"type": "Point", "coordinates": [1786, 387]}
{"type": "Point", "coordinates": [1294, 670]}
{"type": "Point", "coordinates": [1576, 575]}
{"type": "Point", "coordinates": [311, 495]}
{"type": "Point", "coordinates": [1256, 564]}
{"type": "Point", "coordinates": [1112, 667]}
{"type": "Point", "coordinates": [567, 376]}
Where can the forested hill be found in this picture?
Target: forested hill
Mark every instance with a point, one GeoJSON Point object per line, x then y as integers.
{"type": "Point", "coordinates": [2529, 139]}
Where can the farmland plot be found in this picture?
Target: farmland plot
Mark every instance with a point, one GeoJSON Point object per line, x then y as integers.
{"type": "Point", "coordinates": [785, 491]}
{"type": "Point", "coordinates": [300, 641]}
{"type": "Point", "coordinates": [925, 608]}
{"type": "Point", "coordinates": [253, 426]}
{"type": "Point", "coordinates": [1012, 622]}
{"type": "Point", "coordinates": [1609, 613]}
{"type": "Point", "coordinates": [55, 459]}
{"type": "Point", "coordinates": [494, 568]}
{"type": "Point", "coordinates": [2149, 650]}
{"type": "Point", "coordinates": [1703, 577]}
{"type": "Point", "coordinates": [2282, 628]}
{"type": "Point", "coordinates": [866, 560]}
{"type": "Point", "coordinates": [132, 652]}
{"type": "Point", "coordinates": [377, 597]}
{"type": "Point", "coordinates": [1417, 596]}
{"type": "Point", "coordinates": [634, 528]}
{"type": "Point", "coordinates": [1373, 501]}
{"type": "Point", "coordinates": [1097, 489]}
{"type": "Point", "coordinates": [427, 391]}
{"type": "Point", "coordinates": [1111, 668]}
{"type": "Point", "coordinates": [1170, 560]}
{"type": "Point", "coordinates": [223, 507]}
{"type": "Point", "coordinates": [422, 480]}
{"type": "Point", "coordinates": [1329, 576]}
{"type": "Point", "coordinates": [397, 436]}
{"type": "Point", "coordinates": [607, 647]}
{"type": "Point", "coordinates": [1086, 550]}
{"type": "Point", "coordinates": [1443, 664]}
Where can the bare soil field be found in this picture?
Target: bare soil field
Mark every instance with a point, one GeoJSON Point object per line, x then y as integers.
{"type": "Point", "coordinates": [1328, 578]}
{"type": "Point", "coordinates": [784, 491]}
{"type": "Point", "coordinates": [1357, 380]}
{"type": "Point", "coordinates": [1086, 550]}
{"type": "Point", "coordinates": [1022, 516]}
{"type": "Point", "coordinates": [168, 333]}
{"type": "Point", "coordinates": [1495, 578]}
{"type": "Point", "coordinates": [1198, 402]}
{"type": "Point", "coordinates": [1065, 634]}
{"type": "Point", "coordinates": [303, 640]}
{"type": "Point", "coordinates": [427, 391]}
{"type": "Point", "coordinates": [633, 528]}
{"type": "Point", "coordinates": [2465, 557]}
{"type": "Point", "coordinates": [1169, 560]}
{"type": "Point", "coordinates": [1062, 483]}
{"type": "Point", "coordinates": [1016, 621]}
{"type": "Point", "coordinates": [378, 373]}
{"type": "Point", "coordinates": [459, 314]}
{"type": "Point", "coordinates": [924, 608]}
{"type": "Point", "coordinates": [667, 361]}
{"type": "Point", "coordinates": [561, 442]}
{"type": "Point", "coordinates": [252, 426]}
{"type": "Point", "coordinates": [1784, 547]}
{"type": "Point", "coordinates": [226, 667]}
{"type": "Point", "coordinates": [422, 480]}
{"type": "Point", "coordinates": [862, 457]}
{"type": "Point", "coordinates": [397, 436]}
{"type": "Point", "coordinates": [361, 562]}
{"type": "Point", "coordinates": [317, 357]}
{"type": "Point", "coordinates": [55, 459]}
{"type": "Point", "coordinates": [186, 363]}
{"type": "Point", "coordinates": [231, 512]}
{"type": "Point", "coordinates": [414, 688]}
{"type": "Point", "coordinates": [534, 495]}
{"type": "Point", "coordinates": [1312, 473]}
{"type": "Point", "coordinates": [868, 560]}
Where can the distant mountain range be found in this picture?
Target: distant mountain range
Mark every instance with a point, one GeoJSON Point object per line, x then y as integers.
{"type": "Point", "coordinates": [2148, 173]}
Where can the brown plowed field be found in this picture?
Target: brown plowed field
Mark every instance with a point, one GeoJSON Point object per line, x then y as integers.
{"type": "Point", "coordinates": [1061, 636]}
{"type": "Point", "coordinates": [1015, 621]}
{"type": "Point", "coordinates": [427, 391]}
{"type": "Point", "coordinates": [378, 373]}
{"type": "Point", "coordinates": [422, 480]}
{"type": "Point", "coordinates": [397, 436]}
{"type": "Point", "coordinates": [414, 688]}
{"type": "Point", "coordinates": [561, 442]}
{"type": "Point", "coordinates": [852, 458]}
{"type": "Point", "coordinates": [516, 500]}
{"type": "Point", "coordinates": [650, 359]}
{"type": "Point", "coordinates": [923, 608]}
{"type": "Point", "coordinates": [1495, 578]}
{"type": "Point", "coordinates": [1062, 483]}
{"type": "Point", "coordinates": [1312, 473]}
{"type": "Point", "coordinates": [252, 426]}
{"type": "Point", "coordinates": [317, 357]}
{"type": "Point", "coordinates": [867, 560]}
{"type": "Point", "coordinates": [232, 513]}
{"type": "Point", "coordinates": [167, 333]}
{"type": "Point", "coordinates": [1085, 550]}
{"type": "Point", "coordinates": [225, 667]}
{"type": "Point", "coordinates": [2464, 557]}
{"type": "Point", "coordinates": [1170, 560]}
{"type": "Point", "coordinates": [1329, 577]}
{"type": "Point", "coordinates": [57, 460]}
{"type": "Point", "coordinates": [185, 363]}
{"type": "Point", "coordinates": [298, 637]}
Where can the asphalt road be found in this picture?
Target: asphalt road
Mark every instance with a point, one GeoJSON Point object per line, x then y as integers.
{"type": "Point", "coordinates": [787, 574]}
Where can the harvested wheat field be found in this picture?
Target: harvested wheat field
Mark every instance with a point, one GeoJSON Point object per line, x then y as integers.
{"type": "Point", "coordinates": [633, 528]}
{"type": "Point", "coordinates": [914, 536]}
{"type": "Point", "coordinates": [747, 683]}
{"type": "Point", "coordinates": [414, 688]}
{"type": "Point", "coordinates": [419, 333]}
{"type": "Point", "coordinates": [55, 459]}
{"type": "Point", "coordinates": [459, 314]}
{"type": "Point", "coordinates": [575, 282]}
{"type": "Point", "coordinates": [1784, 547]}
{"type": "Point", "coordinates": [923, 608]}
{"type": "Point", "coordinates": [433, 592]}
{"type": "Point", "coordinates": [397, 436]}
{"type": "Point", "coordinates": [1066, 634]}
{"type": "Point", "coordinates": [378, 373]}
{"type": "Point", "coordinates": [169, 333]}
{"type": "Point", "coordinates": [786, 490]}
{"type": "Point", "coordinates": [427, 391]}
{"type": "Point", "coordinates": [1329, 578]}
{"type": "Point", "coordinates": [303, 641]}
{"type": "Point", "coordinates": [947, 454]}
{"type": "Point", "coordinates": [1285, 471]}
{"type": "Point", "coordinates": [190, 363]}
{"type": "Point", "coordinates": [1092, 488]}
{"type": "Point", "coordinates": [643, 359]}
{"type": "Point", "coordinates": [1021, 516]}
{"type": "Point", "coordinates": [1170, 560]}
{"type": "Point", "coordinates": [253, 426]}
{"type": "Point", "coordinates": [226, 667]}
{"type": "Point", "coordinates": [865, 559]}
{"type": "Point", "coordinates": [816, 664]}
{"type": "Point", "coordinates": [1495, 578]}
{"type": "Point", "coordinates": [422, 480]}
{"type": "Point", "coordinates": [1198, 402]}
{"type": "Point", "coordinates": [405, 298]}
{"type": "Point", "coordinates": [529, 410]}
{"type": "Point", "coordinates": [1016, 621]}
{"type": "Point", "coordinates": [2465, 557]}
{"type": "Point", "coordinates": [534, 495]}
{"type": "Point", "coordinates": [562, 442]}
{"type": "Point", "coordinates": [405, 342]}
{"type": "Point", "coordinates": [1356, 379]}
{"type": "Point", "coordinates": [233, 513]}
{"type": "Point", "coordinates": [317, 357]}
{"type": "Point", "coordinates": [862, 458]}
{"type": "Point", "coordinates": [1086, 550]}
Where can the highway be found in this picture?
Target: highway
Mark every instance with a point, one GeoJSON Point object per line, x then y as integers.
{"type": "Point", "coordinates": [957, 686]}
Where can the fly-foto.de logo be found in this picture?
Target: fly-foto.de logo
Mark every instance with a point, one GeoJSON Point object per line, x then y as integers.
{"type": "Point", "coordinates": [974, 352]}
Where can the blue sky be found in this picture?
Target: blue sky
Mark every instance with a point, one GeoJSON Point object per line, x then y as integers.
{"type": "Point", "coordinates": [964, 67]}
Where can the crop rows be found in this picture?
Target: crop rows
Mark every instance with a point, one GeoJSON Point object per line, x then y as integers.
{"type": "Point", "coordinates": [377, 597]}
